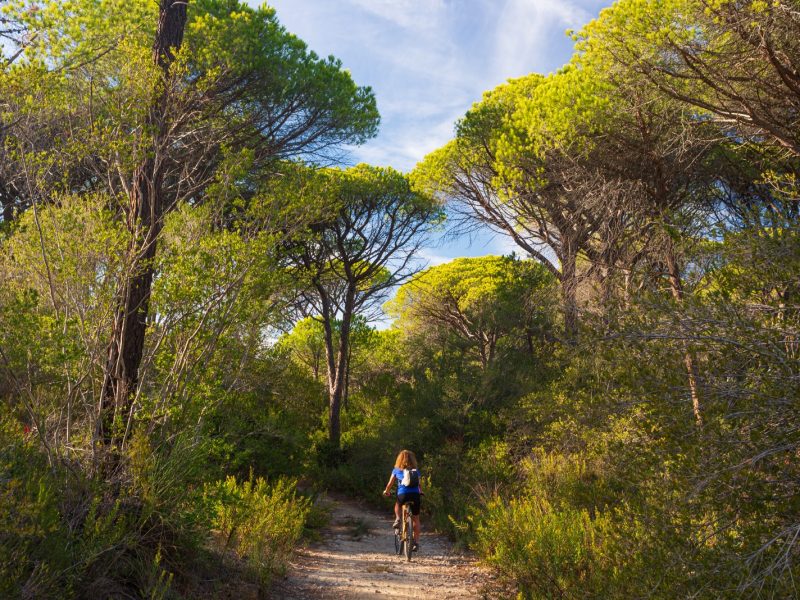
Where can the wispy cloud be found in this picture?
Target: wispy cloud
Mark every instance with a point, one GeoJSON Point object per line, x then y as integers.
{"type": "Point", "coordinates": [525, 32]}
{"type": "Point", "coordinates": [432, 259]}
{"type": "Point", "coordinates": [429, 60]}
{"type": "Point", "coordinates": [404, 13]}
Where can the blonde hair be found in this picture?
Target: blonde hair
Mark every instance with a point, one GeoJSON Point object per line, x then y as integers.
{"type": "Point", "coordinates": [406, 460]}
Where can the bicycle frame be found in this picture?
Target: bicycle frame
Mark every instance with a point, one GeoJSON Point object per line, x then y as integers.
{"type": "Point", "coordinates": [407, 531]}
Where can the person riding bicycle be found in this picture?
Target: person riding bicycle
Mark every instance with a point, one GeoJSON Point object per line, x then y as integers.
{"type": "Point", "coordinates": [406, 464]}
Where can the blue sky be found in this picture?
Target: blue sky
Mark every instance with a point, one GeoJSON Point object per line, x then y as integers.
{"type": "Point", "coordinates": [429, 60]}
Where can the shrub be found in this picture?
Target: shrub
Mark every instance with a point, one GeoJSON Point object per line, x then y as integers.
{"type": "Point", "coordinates": [258, 521]}
{"type": "Point", "coordinates": [64, 535]}
{"type": "Point", "coordinates": [548, 553]}
{"type": "Point", "coordinates": [32, 551]}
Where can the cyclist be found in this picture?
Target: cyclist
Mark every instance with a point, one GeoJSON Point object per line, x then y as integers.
{"type": "Point", "coordinates": [405, 461]}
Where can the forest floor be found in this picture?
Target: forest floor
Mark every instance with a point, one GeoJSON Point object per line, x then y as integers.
{"type": "Point", "coordinates": [355, 559]}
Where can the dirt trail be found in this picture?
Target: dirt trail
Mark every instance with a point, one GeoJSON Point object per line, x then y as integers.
{"type": "Point", "coordinates": [356, 560]}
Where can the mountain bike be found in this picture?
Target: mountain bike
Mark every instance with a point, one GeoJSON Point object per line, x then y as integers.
{"type": "Point", "coordinates": [404, 535]}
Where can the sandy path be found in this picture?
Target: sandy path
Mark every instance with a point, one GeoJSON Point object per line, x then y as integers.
{"type": "Point", "coordinates": [352, 564]}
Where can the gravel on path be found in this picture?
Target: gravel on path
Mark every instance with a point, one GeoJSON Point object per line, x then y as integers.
{"type": "Point", "coordinates": [356, 560]}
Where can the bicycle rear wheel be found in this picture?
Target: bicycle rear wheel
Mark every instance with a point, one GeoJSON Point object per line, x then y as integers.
{"type": "Point", "coordinates": [409, 541]}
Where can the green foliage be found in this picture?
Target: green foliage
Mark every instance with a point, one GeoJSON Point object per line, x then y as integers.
{"type": "Point", "coordinates": [306, 343]}
{"type": "Point", "coordinates": [258, 521]}
{"type": "Point", "coordinates": [652, 455]}
{"type": "Point", "coordinates": [550, 553]}
{"type": "Point", "coordinates": [89, 64]}
{"type": "Point", "coordinates": [30, 554]}
{"type": "Point", "coordinates": [65, 534]}
{"type": "Point", "coordinates": [477, 301]}
{"type": "Point", "coordinates": [81, 518]}
{"type": "Point", "coordinates": [228, 39]}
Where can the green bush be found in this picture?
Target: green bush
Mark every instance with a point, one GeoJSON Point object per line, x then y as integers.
{"type": "Point", "coordinates": [65, 535]}
{"type": "Point", "coordinates": [362, 465]}
{"type": "Point", "coordinates": [32, 548]}
{"type": "Point", "coordinates": [259, 521]}
{"type": "Point", "coordinates": [548, 553]}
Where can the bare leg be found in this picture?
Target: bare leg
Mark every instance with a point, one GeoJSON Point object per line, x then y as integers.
{"type": "Point", "coordinates": [397, 511]}
{"type": "Point", "coordinates": [415, 521]}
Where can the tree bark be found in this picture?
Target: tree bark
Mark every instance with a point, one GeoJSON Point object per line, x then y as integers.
{"type": "Point", "coordinates": [676, 287]}
{"type": "Point", "coordinates": [569, 289]}
{"type": "Point", "coordinates": [337, 363]}
{"type": "Point", "coordinates": [338, 381]}
{"type": "Point", "coordinates": [330, 353]}
{"type": "Point", "coordinates": [8, 211]}
{"type": "Point", "coordinates": [130, 324]}
{"type": "Point", "coordinates": [146, 209]}
{"type": "Point", "coordinates": [346, 394]}
{"type": "Point", "coordinates": [7, 201]}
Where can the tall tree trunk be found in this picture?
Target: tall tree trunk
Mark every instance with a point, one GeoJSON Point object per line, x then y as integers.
{"type": "Point", "coordinates": [336, 360]}
{"type": "Point", "coordinates": [330, 351]}
{"type": "Point", "coordinates": [130, 323]}
{"type": "Point", "coordinates": [338, 382]}
{"type": "Point", "coordinates": [334, 396]}
{"type": "Point", "coordinates": [569, 289]}
{"type": "Point", "coordinates": [346, 394]}
{"type": "Point", "coordinates": [146, 208]}
{"type": "Point", "coordinates": [676, 287]}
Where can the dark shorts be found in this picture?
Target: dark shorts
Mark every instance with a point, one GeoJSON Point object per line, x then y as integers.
{"type": "Point", "coordinates": [412, 497]}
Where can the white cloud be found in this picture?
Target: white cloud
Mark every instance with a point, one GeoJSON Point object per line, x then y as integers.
{"type": "Point", "coordinates": [503, 244]}
{"type": "Point", "coordinates": [429, 60]}
{"type": "Point", "coordinates": [526, 29]}
{"type": "Point", "coordinates": [403, 147]}
{"type": "Point", "coordinates": [404, 13]}
{"type": "Point", "coordinates": [431, 259]}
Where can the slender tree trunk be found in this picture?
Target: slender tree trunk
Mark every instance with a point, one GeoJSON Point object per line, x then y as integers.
{"type": "Point", "coordinates": [569, 290]}
{"type": "Point", "coordinates": [146, 208]}
{"type": "Point", "coordinates": [676, 287]}
{"type": "Point", "coordinates": [529, 340]}
{"type": "Point", "coordinates": [337, 382]}
{"type": "Point", "coordinates": [346, 395]}
{"type": "Point", "coordinates": [130, 323]}
{"type": "Point", "coordinates": [336, 360]}
{"type": "Point", "coordinates": [7, 201]}
{"type": "Point", "coordinates": [330, 352]}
